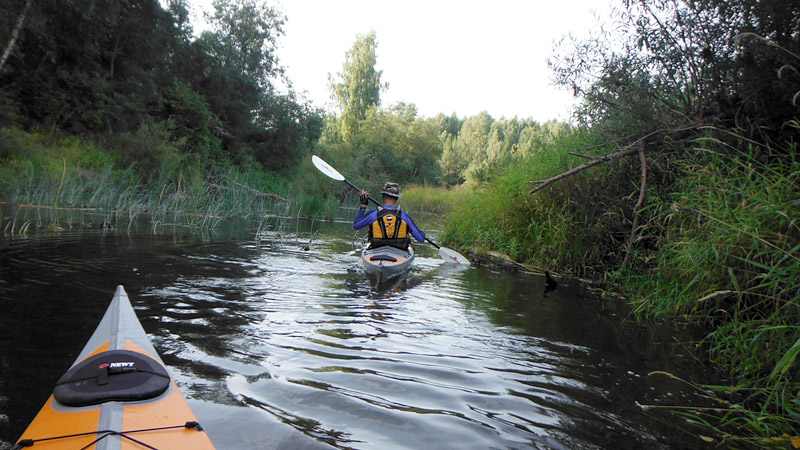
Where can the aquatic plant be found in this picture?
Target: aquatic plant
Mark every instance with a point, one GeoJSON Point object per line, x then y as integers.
{"type": "Point", "coordinates": [41, 169]}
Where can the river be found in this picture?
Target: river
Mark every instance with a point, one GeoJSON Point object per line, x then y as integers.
{"type": "Point", "coordinates": [279, 346]}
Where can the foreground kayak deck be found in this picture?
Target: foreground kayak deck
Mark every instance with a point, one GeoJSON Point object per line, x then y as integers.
{"type": "Point", "coordinates": [117, 395]}
{"type": "Point", "coordinates": [384, 263]}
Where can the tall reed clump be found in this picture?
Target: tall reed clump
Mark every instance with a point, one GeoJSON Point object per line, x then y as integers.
{"type": "Point", "coordinates": [316, 195]}
{"type": "Point", "coordinates": [155, 177]}
{"type": "Point", "coordinates": [43, 169]}
{"type": "Point", "coordinates": [431, 199]}
{"type": "Point", "coordinates": [731, 258]}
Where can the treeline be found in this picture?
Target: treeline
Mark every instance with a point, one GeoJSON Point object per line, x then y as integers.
{"type": "Point", "coordinates": [131, 79]}
{"type": "Point", "coordinates": [678, 186]}
{"type": "Point", "coordinates": [131, 75]}
{"type": "Point", "coordinates": [394, 142]}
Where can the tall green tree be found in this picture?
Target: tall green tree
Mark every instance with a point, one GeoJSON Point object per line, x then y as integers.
{"type": "Point", "coordinates": [447, 124]}
{"type": "Point", "coordinates": [471, 146]}
{"type": "Point", "coordinates": [88, 65]}
{"type": "Point", "coordinates": [246, 38]}
{"type": "Point", "coordinates": [115, 67]}
{"type": "Point", "coordinates": [254, 121]}
{"type": "Point", "coordinates": [394, 144]}
{"type": "Point", "coordinates": [357, 88]}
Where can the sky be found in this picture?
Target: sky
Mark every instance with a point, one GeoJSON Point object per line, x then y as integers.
{"type": "Point", "coordinates": [444, 56]}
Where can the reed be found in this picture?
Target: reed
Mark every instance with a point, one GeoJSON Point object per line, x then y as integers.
{"type": "Point", "coordinates": [41, 169]}
{"type": "Point", "coordinates": [432, 199]}
{"type": "Point", "coordinates": [731, 260]}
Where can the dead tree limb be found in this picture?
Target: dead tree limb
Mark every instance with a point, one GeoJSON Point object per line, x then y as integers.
{"type": "Point", "coordinates": [629, 150]}
{"type": "Point", "coordinates": [638, 207]}
{"type": "Point", "coordinates": [581, 155]}
{"type": "Point", "coordinates": [248, 189]}
{"type": "Point", "coordinates": [633, 148]}
{"type": "Point", "coordinates": [15, 34]}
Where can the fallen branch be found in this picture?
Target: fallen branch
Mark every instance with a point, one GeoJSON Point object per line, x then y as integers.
{"type": "Point", "coordinates": [248, 190]}
{"type": "Point", "coordinates": [629, 150]}
{"type": "Point", "coordinates": [581, 155]}
{"type": "Point", "coordinates": [633, 148]}
{"type": "Point", "coordinates": [638, 207]}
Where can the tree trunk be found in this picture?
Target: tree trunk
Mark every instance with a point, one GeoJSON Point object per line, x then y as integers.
{"type": "Point", "coordinates": [15, 34]}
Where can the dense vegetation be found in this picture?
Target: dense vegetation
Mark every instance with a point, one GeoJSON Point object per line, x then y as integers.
{"type": "Point", "coordinates": [116, 103]}
{"type": "Point", "coordinates": [677, 183]}
{"type": "Point", "coordinates": [113, 69]}
{"type": "Point", "coordinates": [704, 223]}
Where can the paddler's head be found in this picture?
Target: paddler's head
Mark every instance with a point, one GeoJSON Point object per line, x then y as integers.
{"type": "Point", "coordinates": [391, 193]}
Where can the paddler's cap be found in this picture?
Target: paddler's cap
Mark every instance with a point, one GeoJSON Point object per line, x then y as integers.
{"type": "Point", "coordinates": [391, 189]}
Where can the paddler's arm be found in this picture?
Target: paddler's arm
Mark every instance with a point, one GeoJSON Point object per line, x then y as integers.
{"type": "Point", "coordinates": [364, 218]}
{"type": "Point", "coordinates": [416, 232]}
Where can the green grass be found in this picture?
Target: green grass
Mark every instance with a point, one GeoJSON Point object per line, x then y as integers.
{"type": "Point", "coordinates": [558, 228]}
{"type": "Point", "coordinates": [432, 199]}
{"type": "Point", "coordinates": [47, 170]}
{"type": "Point", "coordinates": [731, 259]}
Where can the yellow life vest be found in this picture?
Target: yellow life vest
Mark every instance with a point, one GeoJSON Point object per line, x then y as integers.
{"type": "Point", "coordinates": [389, 229]}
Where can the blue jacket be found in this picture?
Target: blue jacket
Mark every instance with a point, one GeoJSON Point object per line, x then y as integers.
{"type": "Point", "coordinates": [364, 219]}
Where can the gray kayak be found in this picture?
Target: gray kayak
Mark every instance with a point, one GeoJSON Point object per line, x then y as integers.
{"type": "Point", "coordinates": [384, 263]}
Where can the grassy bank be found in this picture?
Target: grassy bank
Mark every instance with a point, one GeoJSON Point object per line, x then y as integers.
{"type": "Point", "coordinates": [566, 227]}
{"type": "Point", "coordinates": [718, 245]}
{"type": "Point", "coordinates": [65, 171]}
{"type": "Point", "coordinates": [730, 258]}
{"type": "Point", "coordinates": [432, 199]}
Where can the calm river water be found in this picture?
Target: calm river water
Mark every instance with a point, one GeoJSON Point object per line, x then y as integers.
{"type": "Point", "coordinates": [280, 347]}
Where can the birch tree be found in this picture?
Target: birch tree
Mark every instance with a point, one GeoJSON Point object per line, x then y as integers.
{"type": "Point", "coordinates": [357, 88]}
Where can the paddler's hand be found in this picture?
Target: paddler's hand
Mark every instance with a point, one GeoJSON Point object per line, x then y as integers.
{"type": "Point", "coordinates": [364, 197]}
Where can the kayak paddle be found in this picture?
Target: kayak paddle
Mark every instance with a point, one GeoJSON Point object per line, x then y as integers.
{"type": "Point", "coordinates": [447, 254]}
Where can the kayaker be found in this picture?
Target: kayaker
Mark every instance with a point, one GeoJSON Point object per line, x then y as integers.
{"type": "Point", "coordinates": [388, 224]}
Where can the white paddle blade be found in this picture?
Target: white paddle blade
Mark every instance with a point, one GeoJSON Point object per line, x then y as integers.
{"type": "Point", "coordinates": [326, 168]}
{"type": "Point", "coordinates": [453, 256]}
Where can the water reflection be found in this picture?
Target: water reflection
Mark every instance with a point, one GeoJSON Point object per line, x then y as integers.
{"type": "Point", "coordinates": [278, 346]}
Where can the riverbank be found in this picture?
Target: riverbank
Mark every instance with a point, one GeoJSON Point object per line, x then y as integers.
{"type": "Point", "coordinates": [716, 244]}
{"type": "Point", "coordinates": [49, 170]}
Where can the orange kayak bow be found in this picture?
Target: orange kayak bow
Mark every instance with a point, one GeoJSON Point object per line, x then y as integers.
{"type": "Point", "coordinates": [118, 394]}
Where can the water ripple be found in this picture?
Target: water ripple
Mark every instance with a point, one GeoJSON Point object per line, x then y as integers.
{"type": "Point", "coordinates": [405, 368]}
{"type": "Point", "coordinates": [280, 347]}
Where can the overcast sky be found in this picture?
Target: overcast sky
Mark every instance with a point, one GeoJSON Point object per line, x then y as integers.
{"type": "Point", "coordinates": [448, 56]}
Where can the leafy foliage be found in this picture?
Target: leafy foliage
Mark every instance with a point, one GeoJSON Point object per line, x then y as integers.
{"type": "Point", "coordinates": [483, 145]}
{"type": "Point", "coordinates": [670, 62]}
{"type": "Point", "coordinates": [103, 67]}
{"type": "Point", "coordinates": [720, 238]}
{"type": "Point", "coordinates": [397, 146]}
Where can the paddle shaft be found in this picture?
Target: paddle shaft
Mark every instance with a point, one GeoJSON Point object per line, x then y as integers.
{"type": "Point", "coordinates": [359, 190]}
